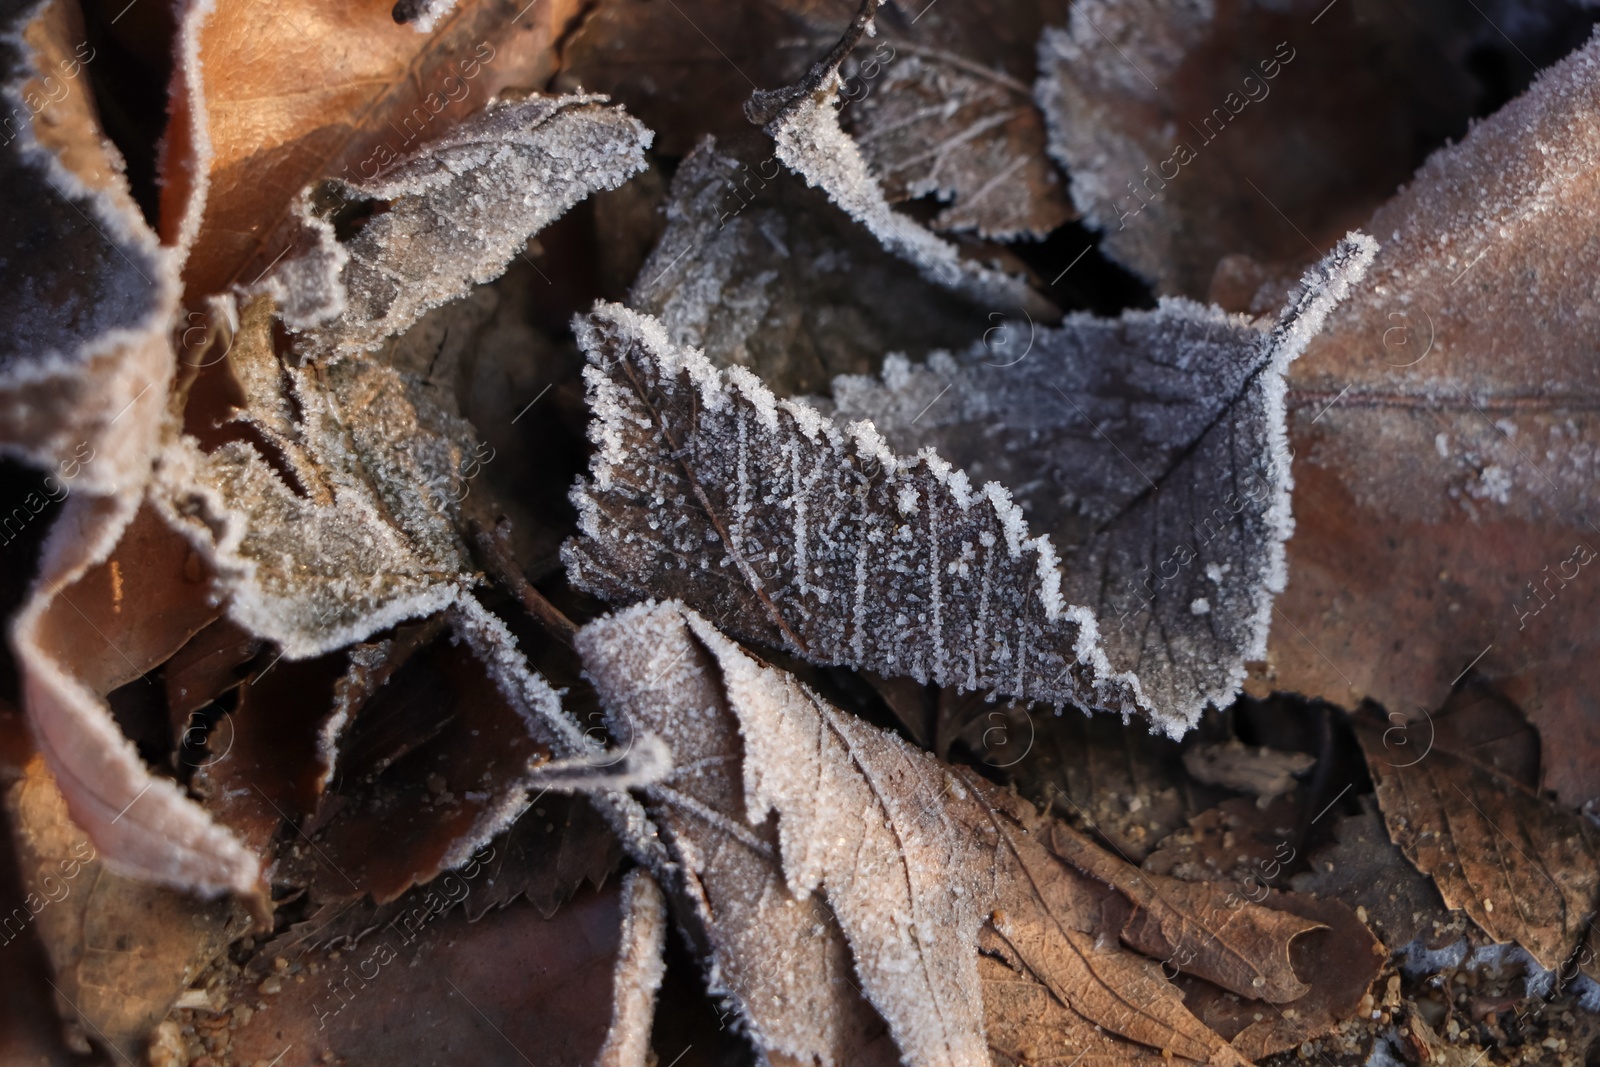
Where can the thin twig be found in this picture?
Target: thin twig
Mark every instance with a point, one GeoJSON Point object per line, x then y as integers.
{"type": "Point", "coordinates": [496, 554]}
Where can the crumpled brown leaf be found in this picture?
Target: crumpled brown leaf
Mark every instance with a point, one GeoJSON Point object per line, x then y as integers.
{"type": "Point", "coordinates": [1443, 484]}
{"type": "Point", "coordinates": [1524, 868]}
{"type": "Point", "coordinates": [914, 859]}
{"type": "Point", "coordinates": [369, 92]}
{"type": "Point", "coordinates": [839, 545]}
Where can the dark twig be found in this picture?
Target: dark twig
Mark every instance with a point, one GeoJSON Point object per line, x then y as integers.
{"type": "Point", "coordinates": [496, 554]}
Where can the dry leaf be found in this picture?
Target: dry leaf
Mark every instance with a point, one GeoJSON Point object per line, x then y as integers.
{"type": "Point", "coordinates": [762, 273]}
{"type": "Point", "coordinates": [803, 122]}
{"type": "Point", "coordinates": [367, 91]}
{"type": "Point", "coordinates": [450, 217]}
{"type": "Point", "coordinates": [1202, 928]}
{"type": "Point", "coordinates": [84, 357]}
{"type": "Point", "coordinates": [1522, 867]}
{"type": "Point", "coordinates": [1344, 959]}
{"type": "Point", "coordinates": [914, 858]}
{"type": "Point", "coordinates": [1165, 481]}
{"type": "Point", "coordinates": [779, 957]}
{"type": "Point", "coordinates": [1443, 487]}
{"type": "Point", "coordinates": [122, 950]}
{"type": "Point", "coordinates": [940, 100]}
{"type": "Point", "coordinates": [821, 521]}
{"type": "Point", "coordinates": [1203, 141]}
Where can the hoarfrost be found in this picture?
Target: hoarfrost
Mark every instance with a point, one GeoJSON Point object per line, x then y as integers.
{"type": "Point", "coordinates": [457, 213]}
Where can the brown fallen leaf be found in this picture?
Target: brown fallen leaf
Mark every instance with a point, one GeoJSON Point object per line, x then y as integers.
{"type": "Point", "coordinates": [1203, 928]}
{"type": "Point", "coordinates": [914, 858]}
{"type": "Point", "coordinates": [1442, 487]}
{"type": "Point", "coordinates": [122, 950]}
{"type": "Point", "coordinates": [143, 822]}
{"type": "Point", "coordinates": [1344, 958]}
{"type": "Point", "coordinates": [1524, 868]}
{"type": "Point", "coordinates": [372, 91]}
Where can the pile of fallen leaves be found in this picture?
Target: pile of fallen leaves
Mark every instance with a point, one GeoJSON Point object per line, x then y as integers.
{"type": "Point", "coordinates": [665, 532]}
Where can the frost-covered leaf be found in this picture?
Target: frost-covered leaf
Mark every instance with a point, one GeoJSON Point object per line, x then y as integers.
{"type": "Point", "coordinates": [1523, 867]}
{"type": "Point", "coordinates": [777, 956]}
{"type": "Point", "coordinates": [85, 363]}
{"type": "Point", "coordinates": [920, 865]}
{"type": "Point", "coordinates": [353, 528]}
{"type": "Point", "coordinates": [1446, 439]}
{"type": "Point", "coordinates": [940, 100]}
{"type": "Point", "coordinates": [803, 121]}
{"type": "Point", "coordinates": [763, 273]}
{"type": "Point", "coordinates": [367, 91]}
{"type": "Point", "coordinates": [1202, 140]}
{"type": "Point", "coordinates": [811, 533]}
{"type": "Point", "coordinates": [1150, 450]}
{"type": "Point", "coordinates": [451, 216]}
